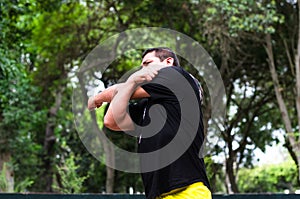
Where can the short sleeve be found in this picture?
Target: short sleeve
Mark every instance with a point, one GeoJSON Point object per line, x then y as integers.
{"type": "Point", "coordinates": [156, 88]}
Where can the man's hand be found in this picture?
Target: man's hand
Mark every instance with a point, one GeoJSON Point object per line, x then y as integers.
{"type": "Point", "coordinates": [105, 96]}
{"type": "Point", "coordinates": [145, 74]}
{"type": "Point", "coordinates": [92, 103]}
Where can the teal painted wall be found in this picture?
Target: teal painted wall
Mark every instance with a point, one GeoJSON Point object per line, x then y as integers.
{"type": "Point", "coordinates": [127, 196]}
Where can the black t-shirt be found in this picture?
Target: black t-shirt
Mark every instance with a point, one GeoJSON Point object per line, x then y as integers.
{"type": "Point", "coordinates": [160, 117]}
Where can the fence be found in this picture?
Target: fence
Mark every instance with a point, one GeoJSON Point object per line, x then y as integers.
{"type": "Point", "coordinates": [127, 196]}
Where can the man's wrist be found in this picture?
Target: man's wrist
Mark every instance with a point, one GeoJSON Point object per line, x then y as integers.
{"type": "Point", "coordinates": [131, 84]}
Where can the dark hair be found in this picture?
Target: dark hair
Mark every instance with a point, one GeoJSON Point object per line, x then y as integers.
{"type": "Point", "coordinates": [162, 53]}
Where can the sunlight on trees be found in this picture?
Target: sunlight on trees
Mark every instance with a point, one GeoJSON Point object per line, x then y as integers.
{"type": "Point", "coordinates": [255, 44]}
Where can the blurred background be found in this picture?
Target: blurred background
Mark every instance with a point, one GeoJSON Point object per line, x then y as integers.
{"type": "Point", "coordinates": [254, 43]}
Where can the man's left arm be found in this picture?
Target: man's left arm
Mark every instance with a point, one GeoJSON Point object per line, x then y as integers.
{"type": "Point", "coordinates": [117, 116]}
{"type": "Point", "coordinates": [107, 95]}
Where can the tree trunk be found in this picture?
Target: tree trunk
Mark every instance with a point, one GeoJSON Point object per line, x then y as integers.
{"type": "Point", "coordinates": [283, 109]}
{"type": "Point", "coordinates": [230, 174]}
{"type": "Point", "coordinates": [7, 170]}
{"type": "Point", "coordinates": [108, 149]}
{"type": "Point", "coordinates": [294, 157]}
{"type": "Point", "coordinates": [49, 142]}
{"type": "Point", "coordinates": [297, 65]}
{"type": "Point", "coordinates": [110, 172]}
{"type": "Point", "coordinates": [109, 157]}
{"type": "Point", "coordinates": [206, 117]}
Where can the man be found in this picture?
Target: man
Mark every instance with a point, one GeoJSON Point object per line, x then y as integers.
{"type": "Point", "coordinates": [184, 177]}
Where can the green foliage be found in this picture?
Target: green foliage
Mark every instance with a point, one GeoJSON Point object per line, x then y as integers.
{"type": "Point", "coordinates": [215, 175]}
{"type": "Point", "coordinates": [3, 181]}
{"type": "Point", "coordinates": [23, 185]}
{"type": "Point", "coordinates": [55, 31]}
{"type": "Point", "coordinates": [20, 118]}
{"type": "Point", "coordinates": [95, 170]}
{"type": "Point", "coordinates": [100, 112]}
{"type": "Point", "coordinates": [71, 182]}
{"type": "Point", "coordinates": [19, 126]}
{"type": "Point", "coordinates": [251, 16]}
{"type": "Point", "coordinates": [42, 42]}
{"type": "Point", "coordinates": [269, 178]}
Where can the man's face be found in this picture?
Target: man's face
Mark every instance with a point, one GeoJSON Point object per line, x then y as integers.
{"type": "Point", "coordinates": [150, 59]}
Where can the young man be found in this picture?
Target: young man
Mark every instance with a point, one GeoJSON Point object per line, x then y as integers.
{"type": "Point", "coordinates": [184, 177]}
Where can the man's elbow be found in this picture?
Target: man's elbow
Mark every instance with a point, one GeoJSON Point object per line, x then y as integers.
{"type": "Point", "coordinates": [111, 124]}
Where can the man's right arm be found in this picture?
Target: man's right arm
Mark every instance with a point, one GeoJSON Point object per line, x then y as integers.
{"type": "Point", "coordinates": [117, 116]}
{"type": "Point", "coordinates": [107, 96]}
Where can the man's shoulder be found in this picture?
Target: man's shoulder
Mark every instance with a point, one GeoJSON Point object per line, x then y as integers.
{"type": "Point", "coordinates": [172, 68]}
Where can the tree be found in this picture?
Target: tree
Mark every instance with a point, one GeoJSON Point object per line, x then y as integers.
{"type": "Point", "coordinates": [18, 115]}
{"type": "Point", "coordinates": [269, 178]}
{"type": "Point", "coordinates": [53, 59]}
{"type": "Point", "coordinates": [78, 27]}
{"type": "Point", "coordinates": [43, 44]}
{"type": "Point", "coordinates": [227, 25]}
{"type": "Point", "coordinates": [287, 91]}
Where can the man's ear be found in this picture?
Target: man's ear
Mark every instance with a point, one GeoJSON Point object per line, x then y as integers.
{"type": "Point", "coordinates": [169, 61]}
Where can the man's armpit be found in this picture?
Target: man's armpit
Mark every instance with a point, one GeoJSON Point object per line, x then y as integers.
{"type": "Point", "coordinates": [140, 93]}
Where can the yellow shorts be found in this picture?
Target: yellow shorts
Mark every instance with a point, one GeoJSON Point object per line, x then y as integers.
{"type": "Point", "coordinates": [194, 191]}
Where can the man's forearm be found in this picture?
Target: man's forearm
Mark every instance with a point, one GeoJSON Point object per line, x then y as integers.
{"type": "Point", "coordinates": [107, 96]}
{"type": "Point", "coordinates": [117, 111]}
{"type": "Point", "coordinates": [117, 117]}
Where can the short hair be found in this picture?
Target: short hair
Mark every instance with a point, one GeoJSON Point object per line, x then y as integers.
{"type": "Point", "coordinates": [162, 53]}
